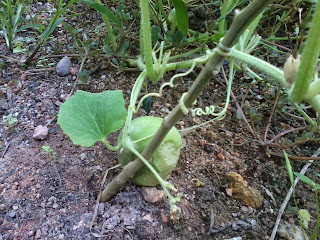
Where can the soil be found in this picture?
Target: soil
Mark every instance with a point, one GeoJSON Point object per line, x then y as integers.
{"type": "Point", "coordinates": [46, 197]}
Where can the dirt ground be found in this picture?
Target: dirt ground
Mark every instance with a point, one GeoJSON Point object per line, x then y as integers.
{"type": "Point", "coordinates": [46, 198]}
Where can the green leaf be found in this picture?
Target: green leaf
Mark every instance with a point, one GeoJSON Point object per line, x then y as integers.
{"type": "Point", "coordinates": [47, 149]}
{"type": "Point", "coordinates": [181, 16]}
{"type": "Point", "coordinates": [305, 179]}
{"type": "Point", "coordinates": [89, 117]}
{"type": "Point", "coordinates": [52, 26]}
{"type": "Point", "coordinates": [103, 10]}
{"type": "Point", "coordinates": [289, 168]}
{"type": "Point", "coordinates": [304, 217]}
{"type": "Point", "coordinates": [107, 50]}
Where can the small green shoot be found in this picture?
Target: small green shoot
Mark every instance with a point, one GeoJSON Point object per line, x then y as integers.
{"type": "Point", "coordinates": [53, 158]}
{"type": "Point", "coordinates": [49, 151]}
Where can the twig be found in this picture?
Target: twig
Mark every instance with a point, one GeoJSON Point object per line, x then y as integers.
{"type": "Point", "coordinates": [285, 132]}
{"type": "Point", "coordinates": [83, 60]}
{"type": "Point", "coordinates": [296, 157]}
{"type": "Point", "coordinates": [243, 116]}
{"type": "Point", "coordinates": [286, 200]}
{"type": "Point", "coordinates": [95, 212]}
{"type": "Point", "coordinates": [301, 141]}
{"type": "Point", "coordinates": [5, 149]}
{"type": "Point", "coordinates": [277, 45]}
{"type": "Point", "coordinates": [270, 117]}
{"type": "Point", "coordinates": [10, 58]}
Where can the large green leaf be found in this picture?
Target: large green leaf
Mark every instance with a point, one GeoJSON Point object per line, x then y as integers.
{"type": "Point", "coordinates": [89, 117]}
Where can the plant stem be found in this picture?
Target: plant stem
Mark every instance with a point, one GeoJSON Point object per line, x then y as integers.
{"type": "Point", "coordinates": [240, 23]}
{"type": "Point", "coordinates": [145, 41]}
{"type": "Point", "coordinates": [309, 59]}
{"type": "Point", "coordinates": [110, 31]}
{"type": "Point", "coordinates": [315, 103]}
{"type": "Point", "coordinates": [259, 64]}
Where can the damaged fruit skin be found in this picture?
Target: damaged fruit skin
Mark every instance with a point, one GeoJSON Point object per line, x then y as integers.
{"type": "Point", "coordinates": [165, 158]}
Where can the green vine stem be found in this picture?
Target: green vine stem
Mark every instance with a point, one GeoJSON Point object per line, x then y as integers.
{"type": "Point", "coordinates": [166, 186]}
{"type": "Point", "coordinates": [240, 24]}
{"type": "Point", "coordinates": [315, 231]}
{"type": "Point", "coordinates": [145, 40]}
{"type": "Point", "coordinates": [309, 59]}
{"type": "Point", "coordinates": [265, 67]}
{"type": "Point", "coordinates": [315, 103]}
{"type": "Point", "coordinates": [314, 89]}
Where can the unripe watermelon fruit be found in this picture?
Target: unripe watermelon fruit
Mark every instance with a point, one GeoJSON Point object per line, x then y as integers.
{"type": "Point", "coordinates": [164, 159]}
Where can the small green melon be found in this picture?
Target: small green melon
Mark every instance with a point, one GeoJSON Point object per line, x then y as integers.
{"type": "Point", "coordinates": [165, 158]}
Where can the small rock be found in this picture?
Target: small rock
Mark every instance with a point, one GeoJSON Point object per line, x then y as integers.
{"type": "Point", "coordinates": [290, 231]}
{"type": "Point", "coordinates": [31, 233]}
{"type": "Point", "coordinates": [241, 191]}
{"type": "Point", "coordinates": [147, 218]}
{"type": "Point", "coordinates": [82, 156]}
{"type": "Point", "coordinates": [63, 97]}
{"type": "Point", "coordinates": [152, 194]}
{"type": "Point", "coordinates": [73, 71]}
{"type": "Point", "coordinates": [100, 209]}
{"type": "Point", "coordinates": [2, 207]}
{"type": "Point", "coordinates": [38, 234]}
{"type": "Point", "coordinates": [40, 132]}
{"type": "Point", "coordinates": [4, 104]}
{"type": "Point", "coordinates": [12, 213]}
{"type": "Point", "coordinates": [208, 148]}
{"type": "Point", "coordinates": [63, 67]}
{"type": "Point", "coordinates": [234, 214]}
{"type": "Point", "coordinates": [2, 186]}
{"type": "Point", "coordinates": [164, 218]}
{"type": "Point", "coordinates": [244, 209]}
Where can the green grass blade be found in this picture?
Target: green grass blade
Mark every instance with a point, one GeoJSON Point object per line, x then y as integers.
{"type": "Point", "coordinates": [181, 16]}
{"type": "Point", "coordinates": [103, 10]}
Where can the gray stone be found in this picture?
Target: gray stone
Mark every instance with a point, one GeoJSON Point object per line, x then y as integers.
{"type": "Point", "coordinates": [63, 67]}
{"type": "Point", "coordinates": [40, 132]}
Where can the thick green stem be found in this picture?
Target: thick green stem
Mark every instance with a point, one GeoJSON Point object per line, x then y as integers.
{"type": "Point", "coordinates": [267, 68]}
{"type": "Point", "coordinates": [314, 89]}
{"type": "Point", "coordinates": [309, 59]}
{"type": "Point", "coordinates": [145, 41]}
{"type": "Point", "coordinates": [315, 103]}
{"type": "Point", "coordinates": [109, 146]}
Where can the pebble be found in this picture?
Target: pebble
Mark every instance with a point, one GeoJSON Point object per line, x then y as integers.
{"type": "Point", "coordinates": [12, 213]}
{"type": "Point", "coordinates": [244, 209]}
{"type": "Point", "coordinates": [38, 234]}
{"type": "Point", "coordinates": [147, 218]}
{"type": "Point", "coordinates": [83, 156]}
{"type": "Point", "coordinates": [2, 207]}
{"type": "Point", "coordinates": [100, 209]}
{"type": "Point", "coordinates": [31, 233]}
{"type": "Point", "coordinates": [152, 194]}
{"type": "Point", "coordinates": [63, 67]}
{"type": "Point", "coordinates": [40, 132]}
